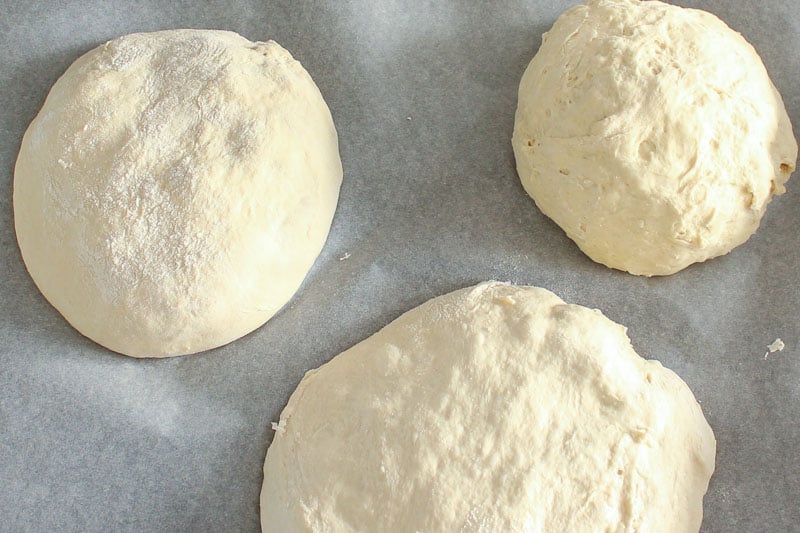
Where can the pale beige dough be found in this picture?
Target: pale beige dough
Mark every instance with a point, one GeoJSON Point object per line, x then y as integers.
{"type": "Point", "coordinates": [496, 408]}
{"type": "Point", "coordinates": [651, 134]}
{"type": "Point", "coordinates": [175, 189]}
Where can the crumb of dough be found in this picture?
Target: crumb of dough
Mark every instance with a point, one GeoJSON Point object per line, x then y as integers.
{"type": "Point", "coordinates": [776, 346]}
{"type": "Point", "coordinates": [345, 256]}
{"type": "Point", "coordinates": [279, 427]}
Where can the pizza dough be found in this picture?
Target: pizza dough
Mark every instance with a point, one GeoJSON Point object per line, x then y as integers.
{"type": "Point", "coordinates": [175, 189]}
{"type": "Point", "coordinates": [493, 408]}
{"type": "Point", "coordinates": [651, 134]}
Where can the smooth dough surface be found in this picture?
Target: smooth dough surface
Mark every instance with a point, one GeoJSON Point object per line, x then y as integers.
{"type": "Point", "coordinates": [492, 408]}
{"type": "Point", "coordinates": [651, 134]}
{"type": "Point", "coordinates": [175, 189]}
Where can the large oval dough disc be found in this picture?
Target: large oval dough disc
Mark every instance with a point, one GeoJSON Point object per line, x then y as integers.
{"type": "Point", "coordinates": [493, 408]}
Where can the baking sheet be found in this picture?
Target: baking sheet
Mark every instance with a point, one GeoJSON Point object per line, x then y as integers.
{"type": "Point", "coordinates": [423, 95]}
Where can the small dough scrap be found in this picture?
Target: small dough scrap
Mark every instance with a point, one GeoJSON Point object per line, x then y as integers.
{"type": "Point", "coordinates": [492, 408]}
{"type": "Point", "coordinates": [651, 134]}
{"type": "Point", "coordinates": [175, 189]}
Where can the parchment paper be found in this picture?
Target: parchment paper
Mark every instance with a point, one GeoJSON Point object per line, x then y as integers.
{"type": "Point", "coordinates": [423, 95]}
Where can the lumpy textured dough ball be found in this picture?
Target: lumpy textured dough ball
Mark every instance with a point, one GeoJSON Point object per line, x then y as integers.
{"type": "Point", "coordinates": [651, 134]}
{"type": "Point", "coordinates": [175, 189]}
{"type": "Point", "coordinates": [492, 408]}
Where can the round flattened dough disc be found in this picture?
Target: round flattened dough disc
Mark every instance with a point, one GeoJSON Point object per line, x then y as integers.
{"type": "Point", "coordinates": [651, 134]}
{"type": "Point", "coordinates": [175, 189]}
{"type": "Point", "coordinates": [492, 408]}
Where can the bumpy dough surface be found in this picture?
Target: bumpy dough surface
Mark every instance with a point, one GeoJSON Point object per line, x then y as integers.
{"type": "Point", "coordinates": [492, 408]}
{"type": "Point", "coordinates": [175, 189]}
{"type": "Point", "coordinates": [651, 134]}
